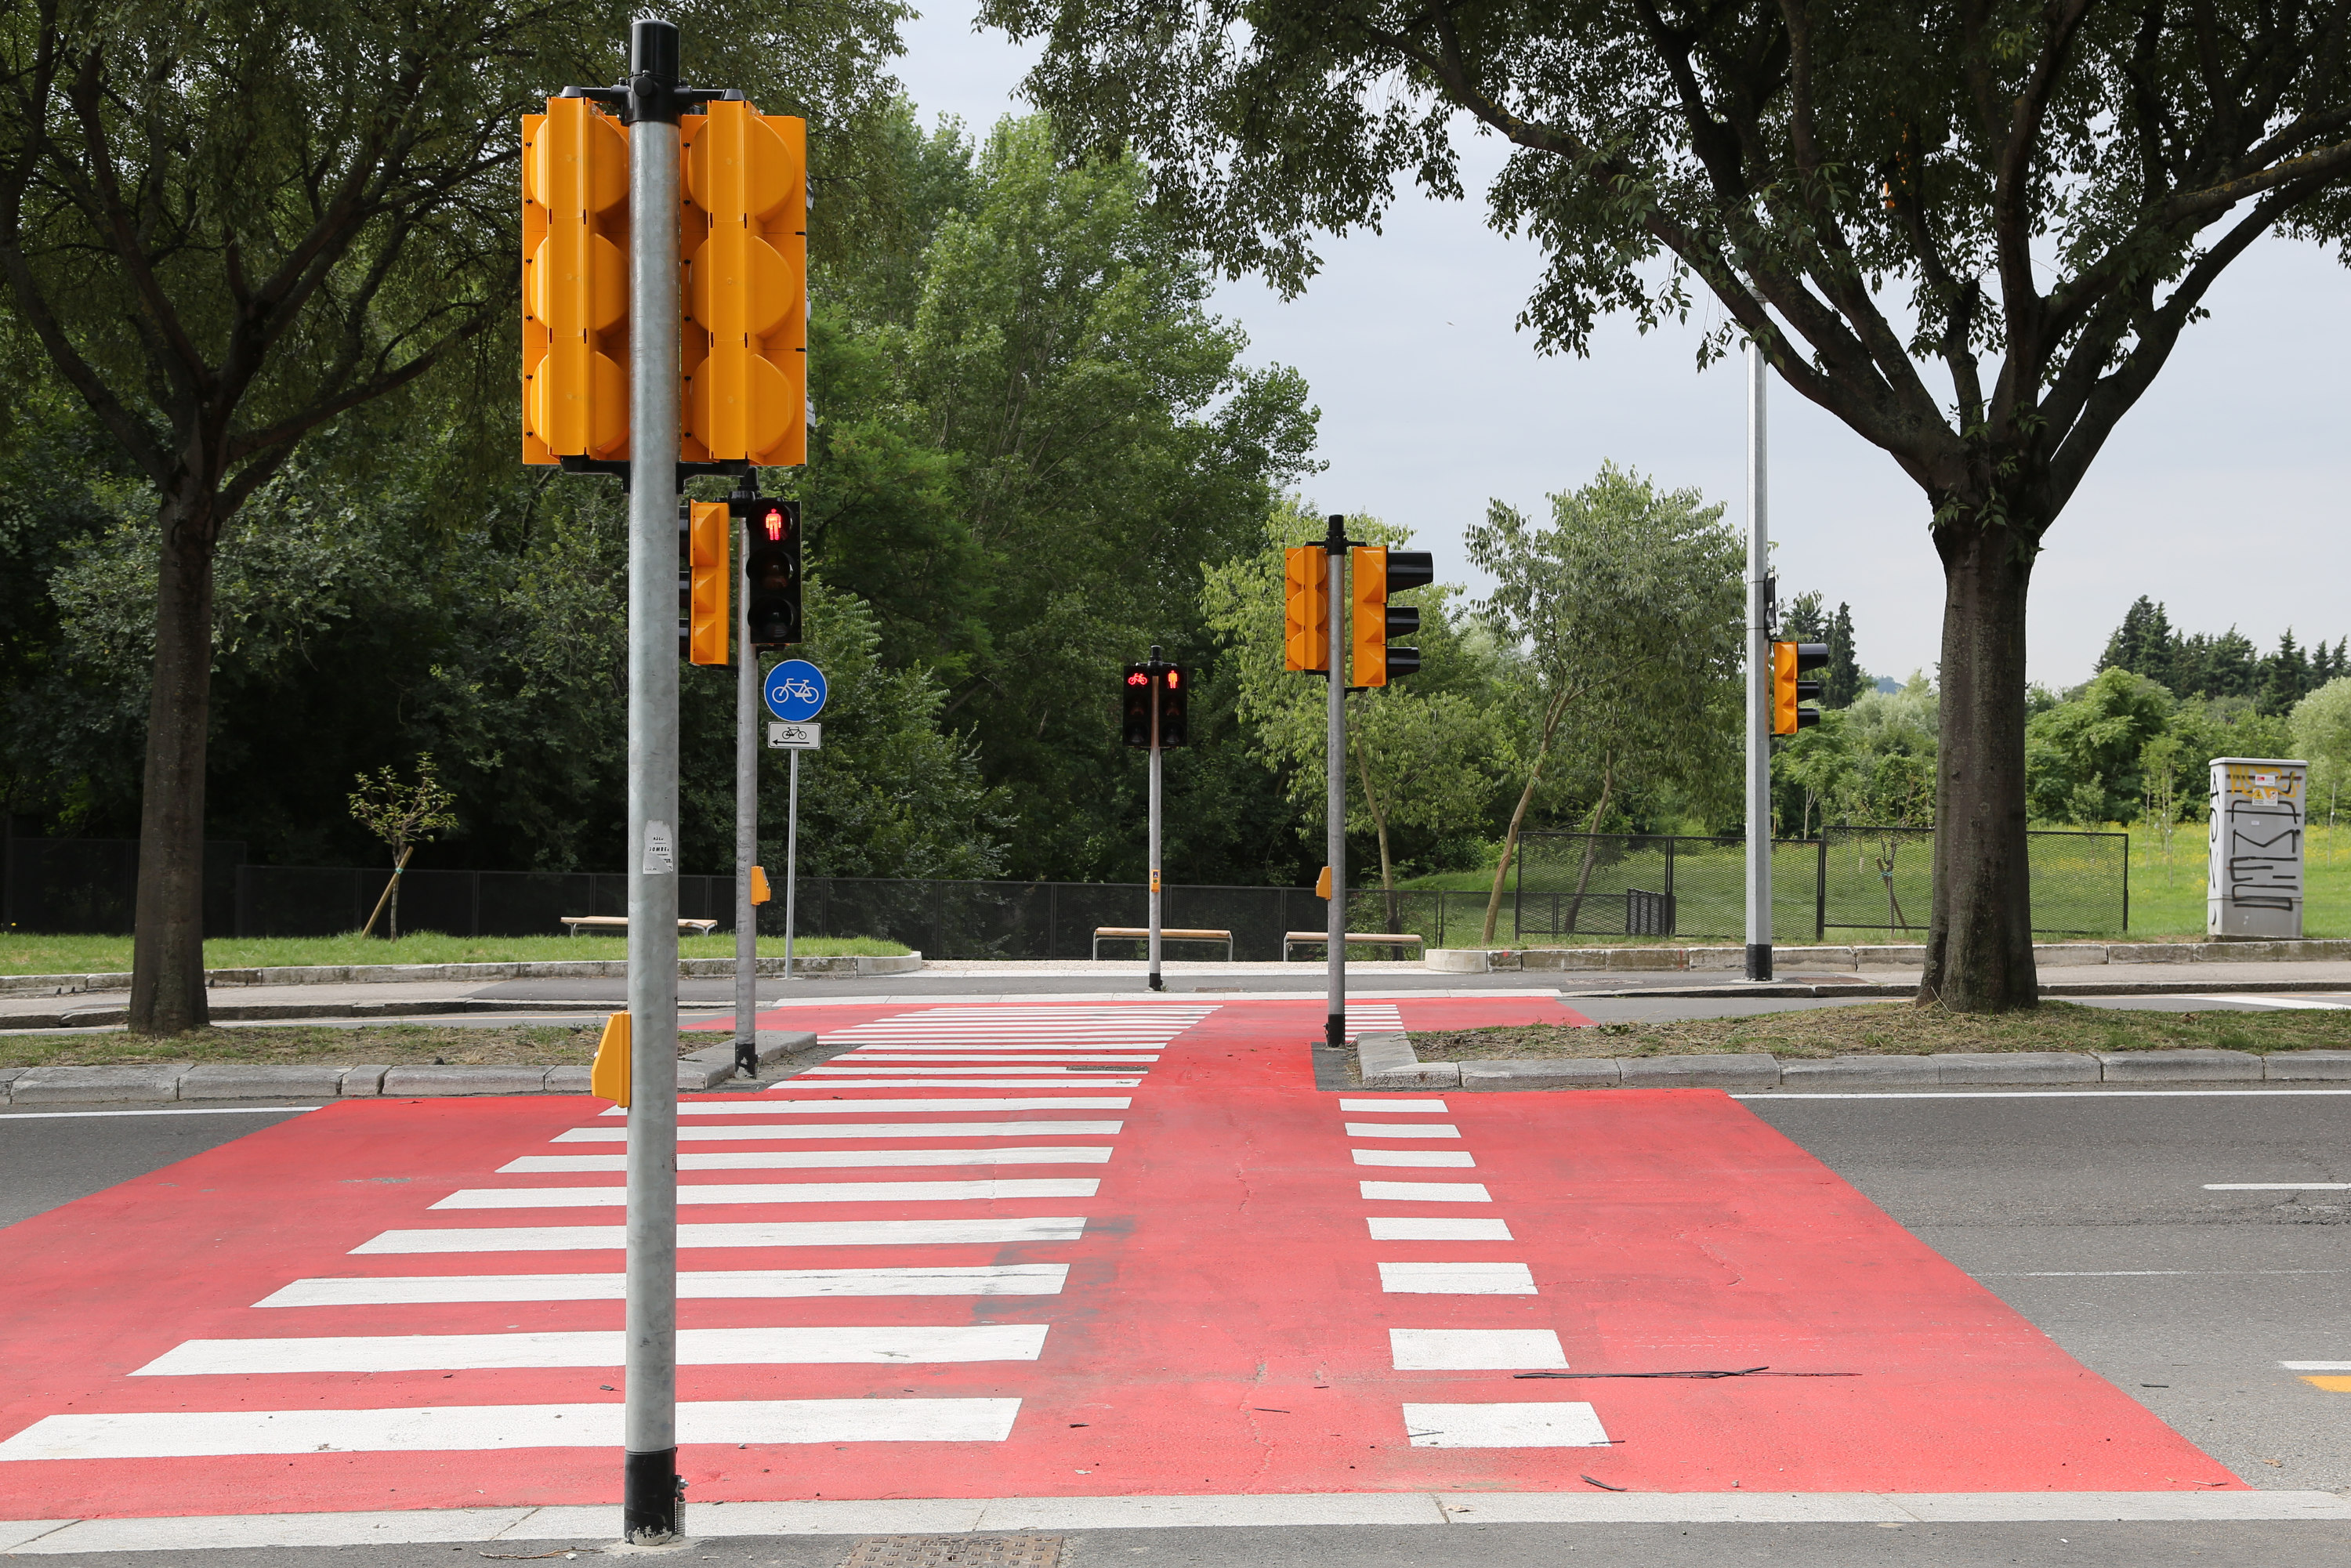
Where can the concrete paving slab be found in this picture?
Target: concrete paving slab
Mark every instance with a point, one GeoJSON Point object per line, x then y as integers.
{"type": "Point", "coordinates": [260, 1081]}
{"type": "Point", "coordinates": [1749, 1070]}
{"type": "Point", "coordinates": [2016, 1067]}
{"type": "Point", "coordinates": [2161, 1066]}
{"type": "Point", "coordinates": [568, 1079]}
{"type": "Point", "coordinates": [365, 1079]}
{"type": "Point", "coordinates": [2307, 1066]}
{"type": "Point", "coordinates": [1386, 1062]}
{"type": "Point", "coordinates": [418, 1082]}
{"type": "Point", "coordinates": [133, 1083]}
{"type": "Point", "coordinates": [1540, 1073]}
{"type": "Point", "coordinates": [1860, 1073]}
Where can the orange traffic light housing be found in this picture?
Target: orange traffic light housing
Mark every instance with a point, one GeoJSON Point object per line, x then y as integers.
{"type": "Point", "coordinates": [1379, 572]}
{"type": "Point", "coordinates": [1788, 661]}
{"type": "Point", "coordinates": [1306, 608]}
{"type": "Point", "coordinates": [744, 242]}
{"type": "Point", "coordinates": [701, 580]}
{"type": "Point", "coordinates": [575, 284]}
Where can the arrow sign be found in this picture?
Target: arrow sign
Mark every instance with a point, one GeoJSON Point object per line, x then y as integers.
{"type": "Point", "coordinates": [796, 690]}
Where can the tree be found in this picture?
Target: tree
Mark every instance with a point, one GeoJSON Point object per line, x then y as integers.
{"type": "Point", "coordinates": [2082, 755]}
{"type": "Point", "coordinates": [2285, 676]}
{"type": "Point", "coordinates": [1807, 620]}
{"type": "Point", "coordinates": [225, 228]}
{"type": "Point", "coordinates": [2144, 645]}
{"type": "Point", "coordinates": [403, 815]}
{"type": "Point", "coordinates": [2023, 205]}
{"type": "Point", "coordinates": [1625, 616]}
{"type": "Point", "coordinates": [2322, 736]}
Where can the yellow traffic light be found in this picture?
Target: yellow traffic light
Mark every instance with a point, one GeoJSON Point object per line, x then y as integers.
{"type": "Point", "coordinates": [1306, 609]}
{"type": "Point", "coordinates": [744, 239]}
{"type": "Point", "coordinates": [1788, 661]}
{"type": "Point", "coordinates": [707, 529]}
{"type": "Point", "coordinates": [575, 283]}
{"type": "Point", "coordinates": [1379, 572]}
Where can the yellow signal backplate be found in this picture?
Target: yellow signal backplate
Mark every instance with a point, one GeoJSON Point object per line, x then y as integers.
{"type": "Point", "coordinates": [745, 237]}
{"type": "Point", "coordinates": [575, 190]}
{"type": "Point", "coordinates": [1306, 609]}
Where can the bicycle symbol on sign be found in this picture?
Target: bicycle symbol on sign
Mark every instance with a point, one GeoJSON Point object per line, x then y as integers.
{"type": "Point", "coordinates": [795, 691]}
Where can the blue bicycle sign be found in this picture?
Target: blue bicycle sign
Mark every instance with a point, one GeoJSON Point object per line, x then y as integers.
{"type": "Point", "coordinates": [796, 690]}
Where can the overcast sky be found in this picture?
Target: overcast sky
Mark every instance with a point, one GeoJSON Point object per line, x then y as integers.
{"type": "Point", "coordinates": [2221, 494]}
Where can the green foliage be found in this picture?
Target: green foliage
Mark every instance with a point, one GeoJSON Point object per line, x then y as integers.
{"type": "Point", "coordinates": [2083, 755]}
{"type": "Point", "coordinates": [1807, 620]}
{"type": "Point", "coordinates": [1868, 765]}
{"type": "Point", "coordinates": [2322, 737]}
{"type": "Point", "coordinates": [2227, 666]}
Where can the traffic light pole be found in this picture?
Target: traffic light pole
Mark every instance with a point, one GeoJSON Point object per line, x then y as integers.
{"type": "Point", "coordinates": [1758, 682]}
{"type": "Point", "coordinates": [1157, 687]}
{"type": "Point", "coordinates": [649, 1505]}
{"type": "Point", "coordinates": [1335, 1027]}
{"type": "Point", "coordinates": [746, 826]}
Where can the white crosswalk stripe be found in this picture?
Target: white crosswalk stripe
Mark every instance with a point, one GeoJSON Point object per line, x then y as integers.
{"type": "Point", "coordinates": [697, 1193]}
{"type": "Point", "coordinates": [740, 1133]}
{"type": "Point", "coordinates": [788, 1233]}
{"type": "Point", "coordinates": [718, 1284]}
{"type": "Point", "coordinates": [747, 1106]}
{"type": "Point", "coordinates": [801, 1159]}
{"type": "Point", "coordinates": [696, 1347]}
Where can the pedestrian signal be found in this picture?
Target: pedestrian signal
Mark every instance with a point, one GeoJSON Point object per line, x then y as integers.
{"type": "Point", "coordinates": [771, 570]}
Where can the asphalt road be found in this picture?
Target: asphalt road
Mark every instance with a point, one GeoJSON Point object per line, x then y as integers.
{"type": "Point", "coordinates": [2087, 1212]}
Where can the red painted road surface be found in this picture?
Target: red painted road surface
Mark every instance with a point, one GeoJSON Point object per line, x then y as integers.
{"type": "Point", "coordinates": [1222, 1326]}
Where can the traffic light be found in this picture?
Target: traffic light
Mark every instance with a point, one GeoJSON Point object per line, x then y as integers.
{"type": "Point", "coordinates": [1788, 661]}
{"type": "Point", "coordinates": [1134, 706]}
{"type": "Point", "coordinates": [575, 283]}
{"type": "Point", "coordinates": [702, 630]}
{"type": "Point", "coordinates": [771, 570]}
{"type": "Point", "coordinates": [1175, 702]}
{"type": "Point", "coordinates": [1378, 574]}
{"type": "Point", "coordinates": [1306, 609]}
{"type": "Point", "coordinates": [743, 239]}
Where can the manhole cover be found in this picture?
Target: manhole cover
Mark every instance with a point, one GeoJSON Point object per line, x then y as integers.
{"type": "Point", "coordinates": [956, 1551]}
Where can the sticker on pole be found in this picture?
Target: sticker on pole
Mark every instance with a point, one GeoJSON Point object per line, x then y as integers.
{"type": "Point", "coordinates": [795, 691]}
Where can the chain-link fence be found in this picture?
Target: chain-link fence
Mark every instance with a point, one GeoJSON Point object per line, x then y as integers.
{"type": "Point", "coordinates": [1849, 882]}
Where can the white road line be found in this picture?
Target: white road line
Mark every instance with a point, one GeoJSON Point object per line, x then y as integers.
{"type": "Point", "coordinates": [722, 1285]}
{"type": "Point", "coordinates": [1413, 1228]}
{"type": "Point", "coordinates": [805, 1159]}
{"type": "Point", "coordinates": [1458, 1159]}
{"type": "Point", "coordinates": [1419, 1192]}
{"type": "Point", "coordinates": [777, 1192]}
{"type": "Point", "coordinates": [760, 1105]}
{"type": "Point", "coordinates": [1456, 1280]}
{"type": "Point", "coordinates": [1475, 1350]}
{"type": "Point", "coordinates": [739, 1134]}
{"type": "Point", "coordinates": [2316, 1365]}
{"type": "Point", "coordinates": [1397, 1107]}
{"type": "Point", "coordinates": [159, 1111]}
{"type": "Point", "coordinates": [1401, 1130]}
{"type": "Point", "coordinates": [181, 1434]}
{"type": "Point", "coordinates": [509, 1351]}
{"type": "Point", "coordinates": [1565, 1425]}
{"type": "Point", "coordinates": [2277, 1186]}
{"type": "Point", "coordinates": [829, 1084]}
{"type": "Point", "coordinates": [780, 1233]}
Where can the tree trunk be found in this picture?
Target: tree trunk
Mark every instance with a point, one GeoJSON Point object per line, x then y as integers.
{"type": "Point", "coordinates": [1980, 937]}
{"type": "Point", "coordinates": [1379, 820]}
{"type": "Point", "coordinates": [167, 954]}
{"type": "Point", "coordinates": [1591, 843]}
{"type": "Point", "coordinates": [1553, 712]}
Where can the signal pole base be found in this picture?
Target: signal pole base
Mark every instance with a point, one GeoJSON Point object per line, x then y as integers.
{"type": "Point", "coordinates": [649, 1500]}
{"type": "Point", "coordinates": [1334, 1031]}
{"type": "Point", "coordinates": [1758, 960]}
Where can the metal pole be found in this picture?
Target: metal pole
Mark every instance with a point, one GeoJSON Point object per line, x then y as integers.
{"type": "Point", "coordinates": [1759, 683]}
{"type": "Point", "coordinates": [1335, 808]}
{"type": "Point", "coordinates": [746, 826]}
{"type": "Point", "coordinates": [649, 1507]}
{"type": "Point", "coordinates": [1158, 984]}
{"type": "Point", "coordinates": [792, 860]}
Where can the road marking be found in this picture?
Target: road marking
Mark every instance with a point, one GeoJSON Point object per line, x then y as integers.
{"type": "Point", "coordinates": [987, 1191]}
{"type": "Point", "coordinates": [731, 1284]}
{"type": "Point", "coordinates": [737, 1134]}
{"type": "Point", "coordinates": [804, 1159]}
{"type": "Point", "coordinates": [2277, 1186]}
{"type": "Point", "coordinates": [1566, 1424]}
{"type": "Point", "coordinates": [508, 1352]}
{"type": "Point", "coordinates": [143, 1436]}
{"type": "Point", "coordinates": [159, 1111]}
{"type": "Point", "coordinates": [1457, 1279]}
{"type": "Point", "coordinates": [1086, 1080]}
{"type": "Point", "coordinates": [2316, 1365]}
{"type": "Point", "coordinates": [763, 1106]}
{"type": "Point", "coordinates": [1475, 1350]}
{"type": "Point", "coordinates": [2331, 1384]}
{"type": "Point", "coordinates": [1427, 1191]}
{"type": "Point", "coordinates": [1458, 1159]}
{"type": "Point", "coordinates": [1411, 1227]}
{"type": "Point", "coordinates": [784, 1233]}
{"type": "Point", "coordinates": [1401, 1130]}
{"type": "Point", "coordinates": [1398, 1107]}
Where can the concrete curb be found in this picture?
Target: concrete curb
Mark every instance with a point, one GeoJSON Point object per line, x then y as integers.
{"type": "Point", "coordinates": [1388, 1061]}
{"type": "Point", "coordinates": [2047, 954]}
{"type": "Point", "coordinates": [164, 1081]}
{"type": "Point", "coordinates": [534, 969]}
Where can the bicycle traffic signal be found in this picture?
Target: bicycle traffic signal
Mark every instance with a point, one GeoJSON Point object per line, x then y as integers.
{"type": "Point", "coordinates": [575, 283]}
{"type": "Point", "coordinates": [702, 630]}
{"type": "Point", "coordinates": [1134, 706]}
{"type": "Point", "coordinates": [1788, 661]}
{"type": "Point", "coordinates": [1378, 572]}
{"type": "Point", "coordinates": [1306, 609]}
{"type": "Point", "coordinates": [771, 570]}
{"type": "Point", "coordinates": [1160, 684]}
{"type": "Point", "coordinates": [744, 237]}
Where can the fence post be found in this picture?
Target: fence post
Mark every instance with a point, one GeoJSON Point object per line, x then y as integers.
{"type": "Point", "coordinates": [2125, 838]}
{"type": "Point", "coordinates": [1052, 920]}
{"type": "Point", "coordinates": [475, 916]}
{"type": "Point", "coordinates": [938, 916]}
{"type": "Point", "coordinates": [1820, 892]}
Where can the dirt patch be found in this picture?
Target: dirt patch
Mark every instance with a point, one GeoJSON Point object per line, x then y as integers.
{"type": "Point", "coordinates": [1900, 1029]}
{"type": "Point", "coordinates": [399, 1045]}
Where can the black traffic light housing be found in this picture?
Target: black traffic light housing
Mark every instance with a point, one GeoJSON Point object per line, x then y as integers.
{"type": "Point", "coordinates": [1154, 681]}
{"type": "Point", "coordinates": [771, 569]}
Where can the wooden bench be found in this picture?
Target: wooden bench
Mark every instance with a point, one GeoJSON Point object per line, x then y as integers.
{"type": "Point", "coordinates": [620, 923]}
{"type": "Point", "coordinates": [1295, 939]}
{"type": "Point", "coordinates": [1167, 934]}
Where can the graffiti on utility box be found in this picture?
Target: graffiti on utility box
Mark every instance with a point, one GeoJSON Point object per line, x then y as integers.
{"type": "Point", "coordinates": [2254, 887]}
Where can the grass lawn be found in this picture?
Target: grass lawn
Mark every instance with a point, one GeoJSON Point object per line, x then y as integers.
{"type": "Point", "coordinates": [1865, 1029]}
{"type": "Point", "coordinates": [534, 1045]}
{"type": "Point", "coordinates": [2169, 899]}
{"type": "Point", "coordinates": [24, 953]}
